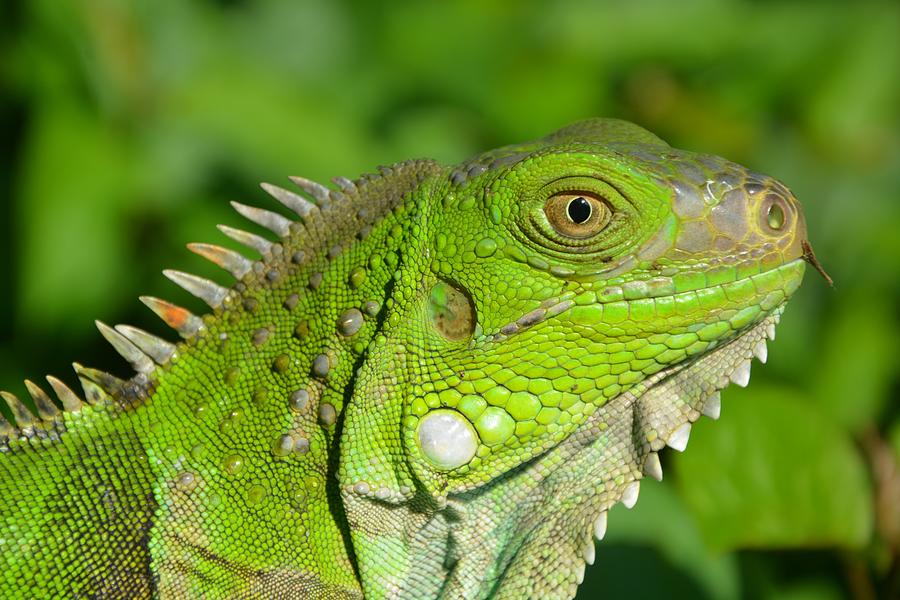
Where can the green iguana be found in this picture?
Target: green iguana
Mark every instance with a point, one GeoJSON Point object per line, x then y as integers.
{"type": "Point", "coordinates": [434, 384]}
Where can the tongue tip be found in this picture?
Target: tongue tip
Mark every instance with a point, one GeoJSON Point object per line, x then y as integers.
{"type": "Point", "coordinates": [810, 257]}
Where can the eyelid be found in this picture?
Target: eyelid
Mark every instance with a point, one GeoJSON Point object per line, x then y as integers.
{"type": "Point", "coordinates": [556, 211]}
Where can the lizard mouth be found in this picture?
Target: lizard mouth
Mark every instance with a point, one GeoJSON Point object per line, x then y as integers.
{"type": "Point", "coordinates": [782, 280]}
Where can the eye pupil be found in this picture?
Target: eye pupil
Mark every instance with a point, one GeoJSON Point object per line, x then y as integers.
{"type": "Point", "coordinates": [579, 210]}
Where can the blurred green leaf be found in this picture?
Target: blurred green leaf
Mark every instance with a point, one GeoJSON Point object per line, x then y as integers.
{"type": "Point", "coordinates": [894, 438]}
{"type": "Point", "coordinates": [855, 343]}
{"type": "Point", "coordinates": [775, 472]}
{"type": "Point", "coordinates": [72, 189]}
{"type": "Point", "coordinates": [661, 521]}
{"type": "Point", "coordinates": [808, 590]}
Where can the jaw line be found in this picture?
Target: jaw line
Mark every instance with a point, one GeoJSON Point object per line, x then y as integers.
{"type": "Point", "coordinates": [746, 344]}
{"type": "Point", "coordinates": [547, 483]}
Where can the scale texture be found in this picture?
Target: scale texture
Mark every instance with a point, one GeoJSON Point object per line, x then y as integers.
{"type": "Point", "coordinates": [434, 383]}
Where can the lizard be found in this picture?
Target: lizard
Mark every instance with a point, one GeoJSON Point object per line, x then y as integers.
{"type": "Point", "coordinates": [434, 382]}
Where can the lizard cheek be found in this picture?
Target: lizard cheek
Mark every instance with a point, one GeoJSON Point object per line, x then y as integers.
{"type": "Point", "coordinates": [447, 439]}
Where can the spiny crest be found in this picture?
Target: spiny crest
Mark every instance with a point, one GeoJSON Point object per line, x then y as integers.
{"type": "Point", "coordinates": [134, 355]}
{"type": "Point", "coordinates": [204, 289]}
{"type": "Point", "coordinates": [46, 410]}
{"type": "Point", "coordinates": [40, 419]}
{"type": "Point", "coordinates": [233, 262]}
{"type": "Point", "coordinates": [144, 351]}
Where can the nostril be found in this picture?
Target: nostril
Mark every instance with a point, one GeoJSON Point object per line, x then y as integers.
{"type": "Point", "coordinates": [775, 216]}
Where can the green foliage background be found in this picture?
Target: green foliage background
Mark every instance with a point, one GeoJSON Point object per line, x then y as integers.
{"type": "Point", "coordinates": [126, 126]}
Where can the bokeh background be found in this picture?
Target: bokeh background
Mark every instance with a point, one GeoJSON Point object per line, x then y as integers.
{"type": "Point", "coordinates": [126, 126]}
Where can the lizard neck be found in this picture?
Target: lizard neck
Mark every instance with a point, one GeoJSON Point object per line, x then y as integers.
{"type": "Point", "coordinates": [244, 424]}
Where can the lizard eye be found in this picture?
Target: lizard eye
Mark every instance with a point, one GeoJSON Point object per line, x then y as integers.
{"type": "Point", "coordinates": [577, 214]}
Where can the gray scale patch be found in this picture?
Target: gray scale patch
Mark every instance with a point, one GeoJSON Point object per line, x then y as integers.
{"type": "Point", "coordinates": [753, 188]}
{"type": "Point", "coordinates": [371, 308]}
{"type": "Point", "coordinates": [561, 271]}
{"type": "Point", "coordinates": [299, 400]}
{"type": "Point", "coordinates": [713, 163]}
{"type": "Point", "coordinates": [729, 178]}
{"type": "Point", "coordinates": [327, 414]}
{"type": "Point", "coordinates": [688, 204]}
{"type": "Point", "coordinates": [301, 445]}
{"type": "Point", "coordinates": [531, 318]}
{"type": "Point", "coordinates": [509, 329]}
{"type": "Point", "coordinates": [283, 445]}
{"type": "Point", "coordinates": [692, 173]}
{"type": "Point", "coordinates": [260, 336]}
{"type": "Point", "coordinates": [185, 481]}
{"type": "Point", "coordinates": [292, 301]}
{"type": "Point", "coordinates": [646, 156]}
{"type": "Point", "coordinates": [344, 183]}
{"type": "Point", "coordinates": [476, 170]}
{"type": "Point", "coordinates": [321, 365]}
{"type": "Point", "coordinates": [780, 188]}
{"type": "Point", "coordinates": [656, 247]}
{"type": "Point", "coordinates": [509, 159]}
{"type": "Point", "coordinates": [350, 322]}
{"type": "Point", "coordinates": [730, 215]}
{"type": "Point", "coordinates": [723, 244]}
{"type": "Point", "coordinates": [695, 236]}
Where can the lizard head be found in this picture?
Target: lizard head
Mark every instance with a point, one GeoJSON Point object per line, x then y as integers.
{"type": "Point", "coordinates": [572, 305]}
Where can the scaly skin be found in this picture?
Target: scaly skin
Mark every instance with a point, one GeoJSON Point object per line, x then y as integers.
{"type": "Point", "coordinates": [434, 385]}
